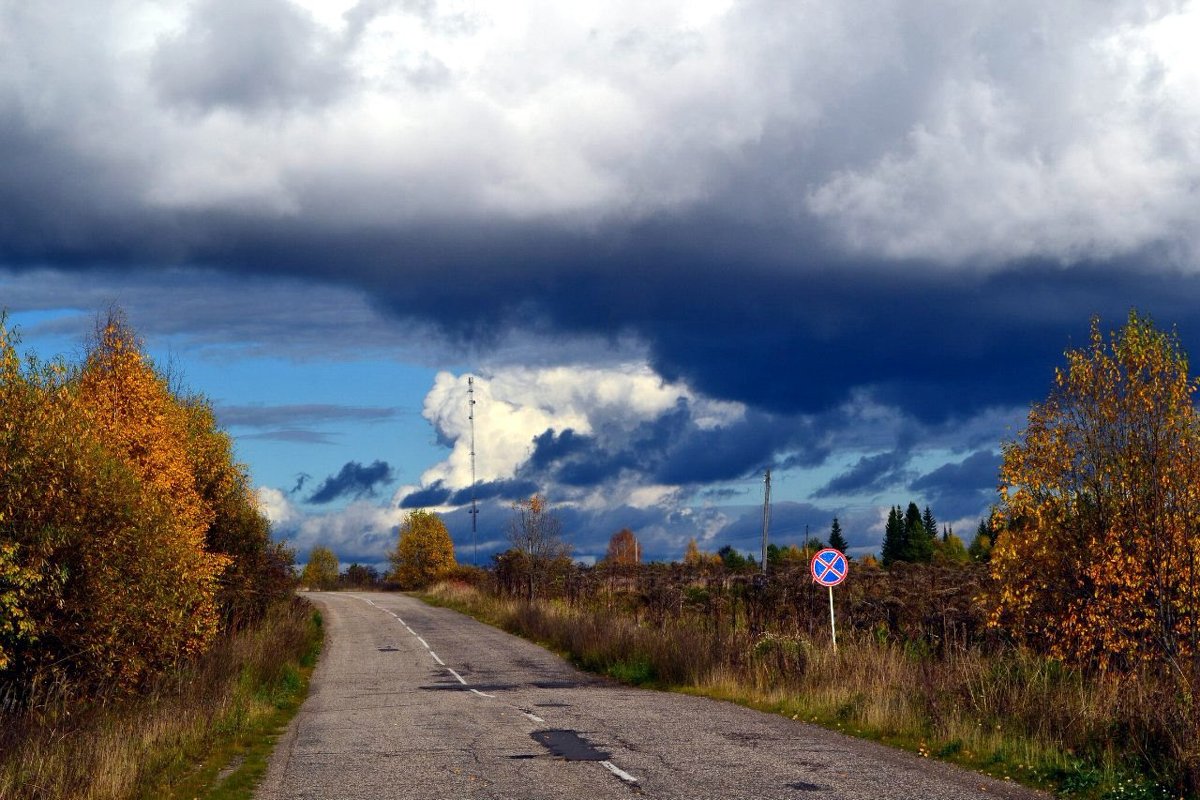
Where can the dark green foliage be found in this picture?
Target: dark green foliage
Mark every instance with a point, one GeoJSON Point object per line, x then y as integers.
{"type": "Point", "coordinates": [909, 536]}
{"type": "Point", "coordinates": [895, 538]}
{"type": "Point", "coordinates": [981, 546]}
{"type": "Point", "coordinates": [358, 576]}
{"type": "Point", "coordinates": [836, 540]}
{"type": "Point", "coordinates": [733, 560]}
{"type": "Point", "coordinates": [930, 523]}
{"type": "Point", "coordinates": [919, 539]}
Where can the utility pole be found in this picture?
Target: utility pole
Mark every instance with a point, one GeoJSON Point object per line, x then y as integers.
{"type": "Point", "coordinates": [766, 517]}
{"type": "Point", "coordinates": [474, 511]}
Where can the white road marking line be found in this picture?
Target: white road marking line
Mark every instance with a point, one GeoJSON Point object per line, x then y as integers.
{"type": "Point", "coordinates": [533, 717]}
{"type": "Point", "coordinates": [410, 630]}
{"type": "Point", "coordinates": [620, 773]}
{"type": "Point", "coordinates": [422, 641]}
{"type": "Point", "coordinates": [435, 658]}
{"type": "Point", "coordinates": [455, 674]}
{"type": "Point", "coordinates": [481, 694]}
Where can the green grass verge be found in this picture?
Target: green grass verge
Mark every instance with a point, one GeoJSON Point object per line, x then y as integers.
{"type": "Point", "coordinates": [231, 762]}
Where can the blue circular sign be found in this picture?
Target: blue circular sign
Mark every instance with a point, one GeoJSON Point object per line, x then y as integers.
{"type": "Point", "coordinates": [829, 567]}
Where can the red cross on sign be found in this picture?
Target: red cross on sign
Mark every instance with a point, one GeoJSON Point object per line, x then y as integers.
{"type": "Point", "coordinates": [829, 567]}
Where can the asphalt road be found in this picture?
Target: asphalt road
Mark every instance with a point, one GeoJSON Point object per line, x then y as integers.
{"type": "Point", "coordinates": [410, 701]}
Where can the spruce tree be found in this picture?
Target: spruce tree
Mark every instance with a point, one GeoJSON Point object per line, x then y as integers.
{"type": "Point", "coordinates": [918, 541]}
{"type": "Point", "coordinates": [836, 540]}
{"type": "Point", "coordinates": [931, 528]}
{"type": "Point", "coordinates": [895, 539]}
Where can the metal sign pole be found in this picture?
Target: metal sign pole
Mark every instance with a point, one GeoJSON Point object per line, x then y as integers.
{"type": "Point", "coordinates": [832, 624]}
{"type": "Point", "coordinates": [829, 568]}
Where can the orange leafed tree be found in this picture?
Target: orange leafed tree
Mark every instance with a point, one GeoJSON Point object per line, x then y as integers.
{"type": "Point", "coordinates": [157, 583]}
{"type": "Point", "coordinates": [1096, 559]}
{"type": "Point", "coordinates": [623, 549]}
{"type": "Point", "coordinates": [121, 513]}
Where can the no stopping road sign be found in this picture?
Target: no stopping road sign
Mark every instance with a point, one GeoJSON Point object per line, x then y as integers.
{"type": "Point", "coordinates": [829, 567]}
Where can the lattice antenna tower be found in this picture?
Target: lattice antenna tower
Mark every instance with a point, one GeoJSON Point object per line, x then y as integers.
{"type": "Point", "coordinates": [474, 511]}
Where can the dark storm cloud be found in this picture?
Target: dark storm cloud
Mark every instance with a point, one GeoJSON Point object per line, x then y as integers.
{"type": "Point", "coordinates": [964, 488]}
{"type": "Point", "coordinates": [869, 475]}
{"type": "Point", "coordinates": [354, 480]}
{"type": "Point", "coordinates": [506, 491]}
{"type": "Point", "coordinates": [673, 449]}
{"type": "Point", "coordinates": [437, 494]}
{"type": "Point", "coordinates": [895, 214]}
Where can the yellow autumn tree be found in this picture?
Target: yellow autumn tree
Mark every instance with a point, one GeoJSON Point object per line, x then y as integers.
{"type": "Point", "coordinates": [64, 504]}
{"type": "Point", "coordinates": [1096, 558]}
{"type": "Point", "coordinates": [156, 583]}
{"type": "Point", "coordinates": [693, 556]}
{"type": "Point", "coordinates": [19, 572]}
{"type": "Point", "coordinates": [120, 508]}
{"type": "Point", "coordinates": [623, 549]}
{"type": "Point", "coordinates": [321, 571]}
{"type": "Point", "coordinates": [424, 552]}
{"type": "Point", "coordinates": [259, 570]}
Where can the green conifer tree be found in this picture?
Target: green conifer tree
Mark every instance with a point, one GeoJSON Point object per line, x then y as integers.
{"type": "Point", "coordinates": [836, 540]}
{"type": "Point", "coordinates": [919, 544]}
{"type": "Point", "coordinates": [930, 523]}
{"type": "Point", "coordinates": [895, 538]}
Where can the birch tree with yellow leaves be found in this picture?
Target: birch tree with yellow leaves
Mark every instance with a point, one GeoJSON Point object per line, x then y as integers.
{"type": "Point", "coordinates": [121, 512]}
{"type": "Point", "coordinates": [1096, 556]}
{"type": "Point", "coordinates": [424, 551]}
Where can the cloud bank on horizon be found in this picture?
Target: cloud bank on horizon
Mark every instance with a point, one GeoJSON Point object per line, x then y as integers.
{"type": "Point", "coordinates": [747, 227]}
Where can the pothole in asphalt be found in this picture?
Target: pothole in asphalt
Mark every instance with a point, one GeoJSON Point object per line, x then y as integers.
{"type": "Point", "coordinates": [569, 745]}
{"type": "Point", "coordinates": [459, 687]}
{"type": "Point", "coordinates": [389, 649]}
{"type": "Point", "coordinates": [556, 684]}
{"type": "Point", "coordinates": [807, 787]}
{"type": "Point", "coordinates": [552, 705]}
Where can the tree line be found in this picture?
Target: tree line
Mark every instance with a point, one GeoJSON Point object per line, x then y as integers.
{"type": "Point", "coordinates": [130, 538]}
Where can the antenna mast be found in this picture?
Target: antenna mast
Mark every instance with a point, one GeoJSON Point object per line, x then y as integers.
{"type": "Point", "coordinates": [474, 511]}
{"type": "Point", "coordinates": [766, 517]}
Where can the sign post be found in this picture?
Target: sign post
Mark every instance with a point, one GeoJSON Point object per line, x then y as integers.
{"type": "Point", "coordinates": [829, 568]}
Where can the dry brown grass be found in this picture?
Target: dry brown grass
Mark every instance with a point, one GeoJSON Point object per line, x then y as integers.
{"type": "Point", "coordinates": [120, 750]}
{"type": "Point", "coordinates": [1008, 712]}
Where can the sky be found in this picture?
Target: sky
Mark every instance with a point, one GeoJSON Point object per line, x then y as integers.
{"type": "Point", "coordinates": [673, 244]}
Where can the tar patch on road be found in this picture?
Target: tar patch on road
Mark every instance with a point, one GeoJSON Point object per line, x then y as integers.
{"type": "Point", "coordinates": [569, 745]}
